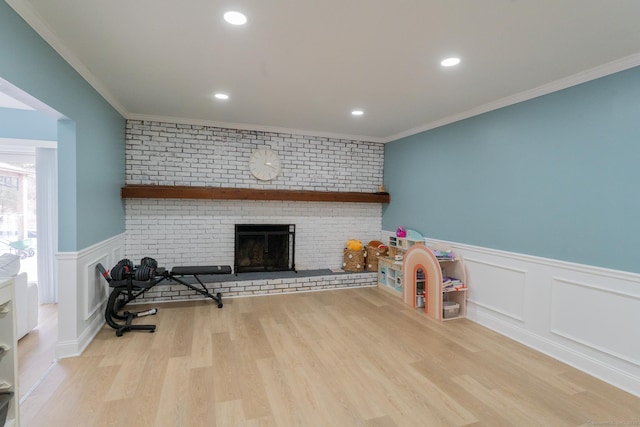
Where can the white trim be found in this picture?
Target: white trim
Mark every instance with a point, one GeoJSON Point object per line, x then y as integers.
{"type": "Point", "coordinates": [594, 287]}
{"type": "Point", "coordinates": [549, 262]}
{"type": "Point", "coordinates": [244, 126]}
{"type": "Point", "coordinates": [90, 267]}
{"type": "Point", "coordinates": [564, 83]}
{"type": "Point", "coordinates": [496, 310]}
{"type": "Point", "coordinates": [603, 371]}
{"type": "Point", "coordinates": [28, 13]}
{"type": "Point", "coordinates": [15, 92]}
{"type": "Point", "coordinates": [89, 333]}
{"type": "Point", "coordinates": [77, 322]}
{"type": "Point", "coordinates": [73, 348]}
{"type": "Point", "coordinates": [592, 353]}
{"type": "Point", "coordinates": [515, 316]}
{"type": "Point", "coordinates": [555, 330]}
{"type": "Point", "coordinates": [66, 349]}
{"type": "Point", "coordinates": [493, 264]}
{"type": "Point", "coordinates": [67, 256]}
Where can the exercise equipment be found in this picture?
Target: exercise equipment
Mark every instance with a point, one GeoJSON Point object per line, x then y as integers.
{"type": "Point", "coordinates": [128, 282]}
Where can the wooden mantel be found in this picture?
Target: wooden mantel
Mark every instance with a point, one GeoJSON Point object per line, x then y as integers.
{"type": "Point", "coordinates": [187, 192]}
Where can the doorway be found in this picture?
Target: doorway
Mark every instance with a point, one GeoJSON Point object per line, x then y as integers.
{"type": "Point", "coordinates": [28, 225]}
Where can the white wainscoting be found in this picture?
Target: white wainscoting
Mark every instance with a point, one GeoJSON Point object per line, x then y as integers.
{"type": "Point", "coordinates": [83, 293]}
{"type": "Point", "coordinates": [585, 316]}
{"type": "Point", "coordinates": [500, 289]}
{"type": "Point", "coordinates": [596, 321]}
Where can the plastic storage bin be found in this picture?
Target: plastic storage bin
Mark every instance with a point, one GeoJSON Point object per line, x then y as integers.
{"type": "Point", "coordinates": [450, 309]}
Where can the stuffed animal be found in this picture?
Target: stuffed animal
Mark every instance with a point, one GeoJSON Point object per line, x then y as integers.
{"type": "Point", "coordinates": [354, 245]}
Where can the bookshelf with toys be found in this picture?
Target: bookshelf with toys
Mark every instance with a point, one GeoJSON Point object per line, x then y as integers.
{"type": "Point", "coordinates": [454, 284]}
{"type": "Point", "coordinates": [430, 278]}
{"type": "Point", "coordinates": [390, 267]}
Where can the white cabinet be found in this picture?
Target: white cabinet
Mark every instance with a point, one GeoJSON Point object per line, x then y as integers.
{"type": "Point", "coordinates": [8, 353]}
{"type": "Point", "coordinates": [390, 267]}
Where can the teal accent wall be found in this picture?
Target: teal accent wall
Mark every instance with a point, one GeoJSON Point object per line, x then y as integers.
{"type": "Point", "coordinates": [556, 176]}
{"type": "Point", "coordinates": [90, 144]}
{"type": "Point", "coordinates": [27, 124]}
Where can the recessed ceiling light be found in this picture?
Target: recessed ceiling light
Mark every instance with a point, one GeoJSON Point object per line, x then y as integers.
{"type": "Point", "coordinates": [235, 18]}
{"type": "Point", "coordinates": [450, 62]}
{"type": "Point", "coordinates": [221, 96]}
{"type": "Point", "coordinates": [357, 112]}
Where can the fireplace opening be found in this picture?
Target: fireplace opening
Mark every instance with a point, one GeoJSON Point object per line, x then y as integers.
{"type": "Point", "coordinates": [264, 247]}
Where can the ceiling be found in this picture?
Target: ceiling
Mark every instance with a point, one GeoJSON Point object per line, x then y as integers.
{"type": "Point", "coordinates": [305, 65]}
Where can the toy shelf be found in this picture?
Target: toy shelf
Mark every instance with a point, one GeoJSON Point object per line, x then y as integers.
{"type": "Point", "coordinates": [435, 284]}
{"type": "Point", "coordinates": [390, 267]}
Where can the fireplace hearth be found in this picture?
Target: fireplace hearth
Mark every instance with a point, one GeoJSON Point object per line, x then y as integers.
{"type": "Point", "coordinates": [264, 247]}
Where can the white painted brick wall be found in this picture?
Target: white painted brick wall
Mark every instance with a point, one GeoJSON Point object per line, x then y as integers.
{"type": "Point", "coordinates": [176, 154]}
{"type": "Point", "coordinates": [201, 232]}
{"type": "Point", "coordinates": [177, 292]}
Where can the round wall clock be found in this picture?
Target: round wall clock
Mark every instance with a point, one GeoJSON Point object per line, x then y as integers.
{"type": "Point", "coordinates": [264, 164]}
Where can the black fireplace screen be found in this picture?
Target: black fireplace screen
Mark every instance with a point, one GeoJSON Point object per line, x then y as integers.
{"type": "Point", "coordinates": [264, 247]}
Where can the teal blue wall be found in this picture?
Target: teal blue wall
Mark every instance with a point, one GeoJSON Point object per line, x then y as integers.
{"type": "Point", "coordinates": [556, 176]}
{"type": "Point", "coordinates": [90, 144]}
{"type": "Point", "coordinates": [27, 124]}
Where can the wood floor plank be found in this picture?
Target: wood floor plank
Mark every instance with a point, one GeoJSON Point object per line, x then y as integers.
{"type": "Point", "coordinates": [173, 408]}
{"type": "Point", "coordinates": [225, 358]}
{"type": "Point", "coordinates": [36, 350]}
{"type": "Point", "coordinates": [255, 402]}
{"type": "Point", "coordinates": [283, 405]}
{"type": "Point", "coordinates": [201, 351]}
{"type": "Point", "coordinates": [343, 357]}
{"type": "Point", "coordinates": [201, 401]}
{"type": "Point", "coordinates": [148, 392]}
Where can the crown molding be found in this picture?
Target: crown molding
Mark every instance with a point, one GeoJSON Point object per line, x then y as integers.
{"type": "Point", "coordinates": [33, 19]}
{"type": "Point", "coordinates": [245, 126]}
{"type": "Point", "coordinates": [38, 24]}
{"type": "Point", "coordinates": [564, 83]}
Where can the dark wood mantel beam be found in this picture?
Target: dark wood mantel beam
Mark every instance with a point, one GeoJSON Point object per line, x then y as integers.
{"type": "Point", "coordinates": [187, 192]}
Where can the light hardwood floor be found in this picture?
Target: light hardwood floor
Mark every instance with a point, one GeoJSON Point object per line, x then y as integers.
{"type": "Point", "coordinates": [36, 350]}
{"type": "Point", "coordinates": [356, 357]}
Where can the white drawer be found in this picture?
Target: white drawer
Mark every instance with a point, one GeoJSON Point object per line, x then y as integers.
{"type": "Point", "coordinates": [5, 291]}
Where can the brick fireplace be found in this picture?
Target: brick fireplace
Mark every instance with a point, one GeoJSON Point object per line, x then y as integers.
{"type": "Point", "coordinates": [201, 232]}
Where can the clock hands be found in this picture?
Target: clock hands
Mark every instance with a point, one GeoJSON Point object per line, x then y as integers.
{"type": "Point", "coordinates": [264, 164]}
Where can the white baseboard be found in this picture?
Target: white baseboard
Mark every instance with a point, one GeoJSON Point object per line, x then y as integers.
{"type": "Point", "coordinates": [590, 365]}
{"type": "Point", "coordinates": [582, 315]}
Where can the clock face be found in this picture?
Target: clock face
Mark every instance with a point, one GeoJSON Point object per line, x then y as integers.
{"type": "Point", "coordinates": [264, 164]}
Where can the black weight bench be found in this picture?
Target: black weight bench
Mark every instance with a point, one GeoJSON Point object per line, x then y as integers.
{"type": "Point", "coordinates": [128, 282]}
{"type": "Point", "coordinates": [195, 271]}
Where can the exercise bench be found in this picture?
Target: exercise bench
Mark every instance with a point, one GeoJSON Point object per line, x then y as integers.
{"type": "Point", "coordinates": [128, 282]}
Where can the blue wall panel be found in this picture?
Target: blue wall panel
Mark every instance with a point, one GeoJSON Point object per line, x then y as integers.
{"type": "Point", "coordinates": [91, 145]}
{"type": "Point", "coordinates": [556, 176]}
{"type": "Point", "coordinates": [27, 124]}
